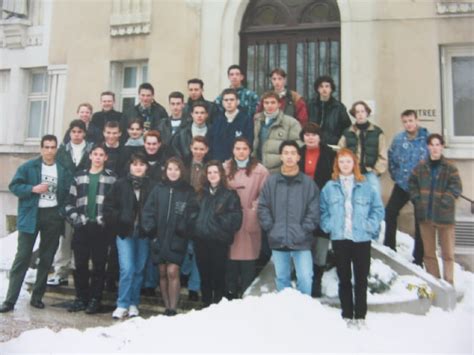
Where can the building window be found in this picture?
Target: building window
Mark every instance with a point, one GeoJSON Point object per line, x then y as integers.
{"type": "Point", "coordinates": [126, 77]}
{"type": "Point", "coordinates": [458, 94]}
{"type": "Point", "coordinates": [37, 103]}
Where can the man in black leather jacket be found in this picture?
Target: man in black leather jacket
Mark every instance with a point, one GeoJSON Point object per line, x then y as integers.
{"type": "Point", "coordinates": [330, 114]}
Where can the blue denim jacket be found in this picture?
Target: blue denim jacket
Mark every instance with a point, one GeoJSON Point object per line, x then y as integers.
{"type": "Point", "coordinates": [405, 154]}
{"type": "Point", "coordinates": [368, 211]}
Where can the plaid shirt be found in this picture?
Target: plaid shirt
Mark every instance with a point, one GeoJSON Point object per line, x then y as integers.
{"type": "Point", "coordinates": [76, 205]}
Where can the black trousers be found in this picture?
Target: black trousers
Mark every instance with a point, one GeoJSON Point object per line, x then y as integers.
{"type": "Point", "coordinates": [90, 242]}
{"type": "Point", "coordinates": [349, 254]}
{"type": "Point", "coordinates": [398, 199]}
{"type": "Point", "coordinates": [211, 258]}
{"type": "Point", "coordinates": [112, 270]}
{"type": "Point", "coordinates": [240, 274]}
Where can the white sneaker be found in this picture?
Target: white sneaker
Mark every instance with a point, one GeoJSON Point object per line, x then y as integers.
{"type": "Point", "coordinates": [119, 313]}
{"type": "Point", "coordinates": [57, 281]}
{"type": "Point", "coordinates": [361, 324]}
{"type": "Point", "coordinates": [30, 277]}
{"type": "Point", "coordinates": [350, 323]}
{"type": "Point", "coordinates": [133, 311]}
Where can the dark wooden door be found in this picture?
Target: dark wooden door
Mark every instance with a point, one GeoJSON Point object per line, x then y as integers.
{"type": "Point", "coordinates": [300, 36]}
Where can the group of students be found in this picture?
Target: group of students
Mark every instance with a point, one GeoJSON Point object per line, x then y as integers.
{"type": "Point", "coordinates": [215, 185]}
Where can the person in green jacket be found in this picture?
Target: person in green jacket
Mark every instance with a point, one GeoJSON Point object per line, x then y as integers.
{"type": "Point", "coordinates": [41, 185]}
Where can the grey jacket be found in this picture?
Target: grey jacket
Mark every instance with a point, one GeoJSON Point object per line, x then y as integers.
{"type": "Point", "coordinates": [289, 212]}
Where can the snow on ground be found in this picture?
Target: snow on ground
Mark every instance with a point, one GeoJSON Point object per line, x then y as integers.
{"type": "Point", "coordinates": [284, 322]}
{"type": "Point", "coordinates": [275, 322]}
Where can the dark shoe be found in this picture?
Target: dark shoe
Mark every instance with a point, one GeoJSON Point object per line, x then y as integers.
{"type": "Point", "coordinates": [170, 312]}
{"type": "Point", "coordinates": [93, 307]}
{"type": "Point", "coordinates": [148, 292]}
{"type": "Point", "coordinates": [37, 304]}
{"type": "Point", "coordinates": [77, 306]}
{"type": "Point", "coordinates": [193, 296]}
{"type": "Point", "coordinates": [6, 307]}
{"type": "Point", "coordinates": [230, 296]}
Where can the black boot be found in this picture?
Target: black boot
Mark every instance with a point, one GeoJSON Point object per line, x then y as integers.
{"type": "Point", "coordinates": [318, 272]}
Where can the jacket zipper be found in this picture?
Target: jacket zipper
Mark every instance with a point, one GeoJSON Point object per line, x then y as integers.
{"type": "Point", "coordinates": [169, 205]}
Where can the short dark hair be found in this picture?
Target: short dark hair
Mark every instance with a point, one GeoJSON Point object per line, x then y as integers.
{"type": "Point", "coordinates": [235, 66]}
{"type": "Point", "coordinates": [200, 139]}
{"type": "Point", "coordinates": [435, 136]}
{"type": "Point", "coordinates": [278, 71]}
{"type": "Point", "coordinates": [199, 104]}
{"type": "Point", "coordinates": [146, 86]}
{"type": "Point", "coordinates": [48, 137]}
{"type": "Point", "coordinates": [268, 94]}
{"type": "Point", "coordinates": [136, 120]}
{"type": "Point", "coordinates": [108, 93]}
{"type": "Point", "coordinates": [229, 91]}
{"type": "Point", "coordinates": [176, 95]}
{"type": "Point", "coordinates": [310, 127]}
{"type": "Point", "coordinates": [77, 124]}
{"type": "Point", "coordinates": [409, 113]}
{"type": "Point", "coordinates": [99, 146]}
{"type": "Point", "coordinates": [196, 81]}
{"type": "Point", "coordinates": [353, 108]}
{"type": "Point", "coordinates": [112, 124]}
{"type": "Point", "coordinates": [138, 156]}
{"type": "Point", "coordinates": [324, 79]}
{"type": "Point", "coordinates": [289, 143]}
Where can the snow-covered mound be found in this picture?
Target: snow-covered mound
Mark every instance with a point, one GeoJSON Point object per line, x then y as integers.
{"type": "Point", "coordinates": [283, 322]}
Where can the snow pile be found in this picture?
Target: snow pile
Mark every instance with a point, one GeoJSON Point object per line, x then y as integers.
{"type": "Point", "coordinates": [386, 285]}
{"type": "Point", "coordinates": [283, 322]}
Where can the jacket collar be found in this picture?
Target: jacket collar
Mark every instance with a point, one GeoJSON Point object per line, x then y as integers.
{"type": "Point", "coordinates": [298, 178]}
{"type": "Point", "coordinates": [355, 129]}
{"type": "Point", "coordinates": [278, 118]}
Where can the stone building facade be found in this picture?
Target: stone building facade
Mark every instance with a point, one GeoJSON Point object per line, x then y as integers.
{"type": "Point", "coordinates": [393, 54]}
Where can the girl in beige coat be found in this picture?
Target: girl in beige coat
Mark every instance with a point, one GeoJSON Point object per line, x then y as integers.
{"type": "Point", "coordinates": [247, 176]}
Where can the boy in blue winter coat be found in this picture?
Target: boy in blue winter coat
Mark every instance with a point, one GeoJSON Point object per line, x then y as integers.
{"type": "Point", "coordinates": [228, 125]}
{"type": "Point", "coordinates": [408, 148]}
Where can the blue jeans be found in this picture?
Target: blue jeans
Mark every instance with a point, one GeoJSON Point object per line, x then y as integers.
{"type": "Point", "coordinates": [189, 267]}
{"type": "Point", "coordinates": [133, 254]}
{"type": "Point", "coordinates": [151, 273]}
{"type": "Point", "coordinates": [303, 262]}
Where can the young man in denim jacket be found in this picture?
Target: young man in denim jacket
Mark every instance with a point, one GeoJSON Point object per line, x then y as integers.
{"type": "Point", "coordinates": [408, 148]}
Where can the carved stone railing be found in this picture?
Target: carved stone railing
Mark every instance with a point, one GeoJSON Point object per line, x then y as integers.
{"type": "Point", "coordinates": [454, 7]}
{"type": "Point", "coordinates": [130, 17]}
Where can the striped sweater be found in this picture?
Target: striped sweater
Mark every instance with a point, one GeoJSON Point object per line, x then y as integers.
{"type": "Point", "coordinates": [76, 205]}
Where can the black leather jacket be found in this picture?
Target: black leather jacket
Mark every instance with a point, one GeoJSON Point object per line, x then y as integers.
{"type": "Point", "coordinates": [331, 116]}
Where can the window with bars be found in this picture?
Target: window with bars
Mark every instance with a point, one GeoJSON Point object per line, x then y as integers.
{"type": "Point", "coordinates": [303, 39]}
{"type": "Point", "coordinates": [37, 103]}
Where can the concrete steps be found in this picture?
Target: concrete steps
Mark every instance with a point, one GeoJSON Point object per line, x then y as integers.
{"type": "Point", "coordinates": [445, 295]}
{"type": "Point", "coordinates": [62, 296]}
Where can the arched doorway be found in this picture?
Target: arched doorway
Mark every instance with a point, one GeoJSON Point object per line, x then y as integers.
{"type": "Point", "coordinates": [300, 36]}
